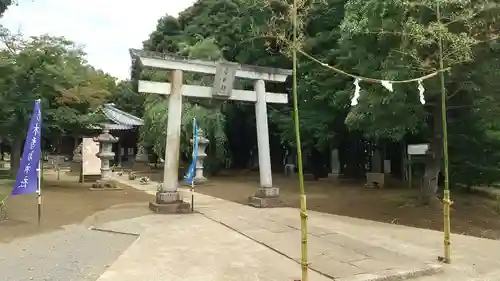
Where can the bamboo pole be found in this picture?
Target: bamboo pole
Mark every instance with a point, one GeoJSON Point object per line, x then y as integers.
{"type": "Point", "coordinates": [303, 208]}
{"type": "Point", "coordinates": [446, 192]}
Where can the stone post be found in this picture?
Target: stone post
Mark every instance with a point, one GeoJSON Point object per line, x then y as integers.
{"type": "Point", "coordinates": [203, 142]}
{"type": "Point", "coordinates": [266, 195]}
{"type": "Point", "coordinates": [105, 140]}
{"type": "Point", "coordinates": [376, 162]}
{"type": "Point", "coordinates": [168, 197]}
{"type": "Point", "coordinates": [76, 162]}
{"type": "Point", "coordinates": [334, 163]}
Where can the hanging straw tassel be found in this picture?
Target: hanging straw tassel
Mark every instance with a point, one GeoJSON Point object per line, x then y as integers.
{"type": "Point", "coordinates": [357, 89]}
{"type": "Point", "coordinates": [421, 91]}
{"type": "Point", "coordinates": [387, 85]}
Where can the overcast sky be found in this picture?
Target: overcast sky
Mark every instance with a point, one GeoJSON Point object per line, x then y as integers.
{"type": "Point", "coordinates": [107, 28]}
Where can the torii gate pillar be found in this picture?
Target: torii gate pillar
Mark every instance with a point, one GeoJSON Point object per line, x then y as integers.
{"type": "Point", "coordinates": [267, 195]}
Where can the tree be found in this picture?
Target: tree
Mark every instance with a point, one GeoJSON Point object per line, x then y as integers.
{"type": "Point", "coordinates": [54, 70]}
{"type": "Point", "coordinates": [382, 39]}
{"type": "Point", "coordinates": [127, 99]}
{"type": "Point", "coordinates": [398, 40]}
{"type": "Point", "coordinates": [4, 5]}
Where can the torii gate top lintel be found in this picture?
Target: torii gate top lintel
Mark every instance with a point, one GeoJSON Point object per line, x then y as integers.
{"type": "Point", "coordinates": [174, 62]}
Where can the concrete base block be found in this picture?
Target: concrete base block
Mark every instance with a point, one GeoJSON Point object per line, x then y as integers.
{"type": "Point", "coordinates": [265, 202]}
{"type": "Point", "coordinates": [167, 197]}
{"type": "Point", "coordinates": [268, 192]}
{"type": "Point", "coordinates": [178, 207]}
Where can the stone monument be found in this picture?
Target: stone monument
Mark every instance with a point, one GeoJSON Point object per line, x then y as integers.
{"type": "Point", "coordinates": [203, 142]}
{"type": "Point", "coordinates": [142, 155]}
{"type": "Point", "coordinates": [141, 161]}
{"type": "Point", "coordinates": [105, 140]}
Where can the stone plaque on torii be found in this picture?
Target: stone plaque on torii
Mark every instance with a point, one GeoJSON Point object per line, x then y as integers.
{"type": "Point", "coordinates": [225, 75]}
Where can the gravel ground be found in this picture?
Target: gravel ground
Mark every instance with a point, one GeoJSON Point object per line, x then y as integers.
{"type": "Point", "coordinates": [73, 254]}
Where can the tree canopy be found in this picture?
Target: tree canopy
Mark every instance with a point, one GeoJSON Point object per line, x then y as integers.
{"type": "Point", "coordinates": [389, 40]}
{"type": "Point", "coordinates": [54, 70]}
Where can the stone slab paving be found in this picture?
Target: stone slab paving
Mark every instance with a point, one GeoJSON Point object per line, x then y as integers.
{"type": "Point", "coordinates": [193, 247]}
{"type": "Point", "coordinates": [473, 259]}
{"type": "Point", "coordinates": [331, 253]}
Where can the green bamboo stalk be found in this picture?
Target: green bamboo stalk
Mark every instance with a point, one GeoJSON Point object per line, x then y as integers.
{"type": "Point", "coordinates": [303, 208]}
{"type": "Point", "coordinates": [446, 192]}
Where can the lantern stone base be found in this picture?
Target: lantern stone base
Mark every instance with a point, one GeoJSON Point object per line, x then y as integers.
{"type": "Point", "coordinates": [168, 202]}
{"type": "Point", "coordinates": [266, 197]}
{"type": "Point", "coordinates": [200, 180]}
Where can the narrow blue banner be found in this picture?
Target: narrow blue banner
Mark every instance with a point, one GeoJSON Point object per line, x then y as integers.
{"type": "Point", "coordinates": [27, 175]}
{"type": "Point", "coordinates": [191, 172]}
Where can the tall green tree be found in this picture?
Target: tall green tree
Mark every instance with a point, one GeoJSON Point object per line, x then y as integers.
{"type": "Point", "coordinates": [54, 70]}
{"type": "Point", "coordinates": [397, 40]}
{"type": "Point", "coordinates": [4, 5]}
{"type": "Point", "coordinates": [126, 98]}
{"type": "Point", "coordinates": [390, 40]}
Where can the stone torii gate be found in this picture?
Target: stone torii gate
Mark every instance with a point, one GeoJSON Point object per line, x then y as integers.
{"type": "Point", "coordinates": [225, 73]}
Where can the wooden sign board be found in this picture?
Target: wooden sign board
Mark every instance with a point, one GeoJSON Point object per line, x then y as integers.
{"type": "Point", "coordinates": [418, 149]}
{"type": "Point", "coordinates": [91, 164]}
{"type": "Point", "coordinates": [224, 79]}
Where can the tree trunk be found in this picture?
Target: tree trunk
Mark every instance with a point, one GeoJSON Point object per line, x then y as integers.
{"type": "Point", "coordinates": [15, 157]}
{"type": "Point", "coordinates": [433, 161]}
{"type": "Point", "coordinates": [430, 186]}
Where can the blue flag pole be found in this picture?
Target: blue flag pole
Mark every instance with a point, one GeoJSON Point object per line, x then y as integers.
{"type": "Point", "coordinates": [29, 173]}
{"type": "Point", "coordinates": [191, 173]}
{"type": "Point", "coordinates": [195, 156]}
{"type": "Point", "coordinates": [39, 191]}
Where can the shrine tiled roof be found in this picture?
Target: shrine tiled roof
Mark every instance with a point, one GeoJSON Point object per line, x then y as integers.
{"type": "Point", "coordinates": [120, 117]}
{"type": "Point", "coordinates": [112, 127]}
{"type": "Point", "coordinates": [118, 120]}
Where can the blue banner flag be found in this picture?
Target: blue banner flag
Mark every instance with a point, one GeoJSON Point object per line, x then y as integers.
{"type": "Point", "coordinates": [189, 177]}
{"type": "Point", "coordinates": [27, 175]}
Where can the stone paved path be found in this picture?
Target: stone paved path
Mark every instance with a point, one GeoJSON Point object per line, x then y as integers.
{"type": "Point", "coordinates": [332, 254]}
{"type": "Point", "coordinates": [192, 247]}
{"type": "Point", "coordinates": [74, 253]}
{"type": "Point", "coordinates": [353, 249]}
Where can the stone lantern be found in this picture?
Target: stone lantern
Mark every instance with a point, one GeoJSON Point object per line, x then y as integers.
{"type": "Point", "coordinates": [203, 142]}
{"type": "Point", "coordinates": [105, 140]}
